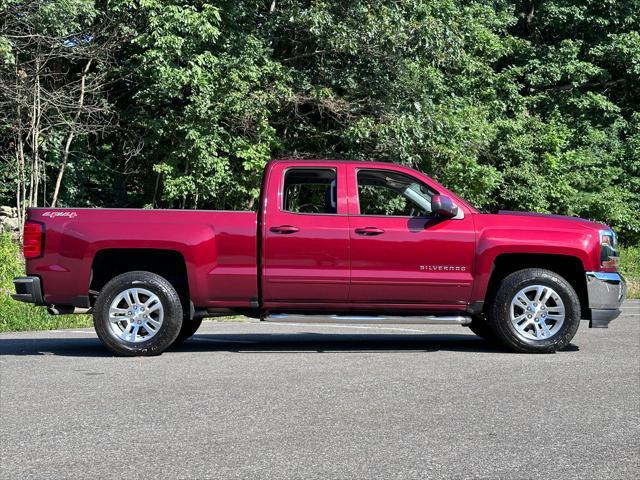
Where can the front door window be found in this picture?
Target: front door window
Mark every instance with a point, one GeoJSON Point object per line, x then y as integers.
{"type": "Point", "coordinates": [385, 193]}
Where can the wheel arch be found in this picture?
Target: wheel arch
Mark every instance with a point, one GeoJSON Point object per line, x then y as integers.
{"type": "Point", "coordinates": [110, 262]}
{"type": "Point", "coordinates": [569, 267]}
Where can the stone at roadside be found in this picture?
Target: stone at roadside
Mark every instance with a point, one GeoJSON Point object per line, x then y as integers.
{"type": "Point", "coordinates": [9, 224]}
{"type": "Point", "coordinates": [7, 212]}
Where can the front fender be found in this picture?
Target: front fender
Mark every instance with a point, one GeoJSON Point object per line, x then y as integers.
{"type": "Point", "coordinates": [494, 242]}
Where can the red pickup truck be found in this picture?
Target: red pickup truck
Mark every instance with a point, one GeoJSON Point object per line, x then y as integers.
{"type": "Point", "coordinates": [333, 241]}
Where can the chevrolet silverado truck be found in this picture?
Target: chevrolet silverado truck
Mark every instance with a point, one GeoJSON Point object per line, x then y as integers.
{"type": "Point", "coordinates": [332, 241]}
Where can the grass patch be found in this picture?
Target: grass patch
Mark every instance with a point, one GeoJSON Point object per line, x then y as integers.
{"type": "Point", "coordinates": [630, 269]}
{"type": "Point", "coordinates": [16, 316]}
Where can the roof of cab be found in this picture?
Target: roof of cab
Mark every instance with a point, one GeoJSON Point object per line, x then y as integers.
{"type": "Point", "coordinates": [333, 160]}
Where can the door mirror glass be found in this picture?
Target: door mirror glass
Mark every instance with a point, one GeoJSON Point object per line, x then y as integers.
{"type": "Point", "coordinates": [443, 206]}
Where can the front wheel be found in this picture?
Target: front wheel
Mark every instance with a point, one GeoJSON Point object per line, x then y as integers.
{"type": "Point", "coordinates": [535, 311]}
{"type": "Point", "coordinates": [138, 313]}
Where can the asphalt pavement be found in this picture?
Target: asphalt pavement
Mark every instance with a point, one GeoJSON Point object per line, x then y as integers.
{"type": "Point", "coordinates": [265, 401]}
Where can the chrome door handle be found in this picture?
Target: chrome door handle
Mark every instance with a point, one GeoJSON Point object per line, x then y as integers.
{"type": "Point", "coordinates": [284, 229]}
{"type": "Point", "coordinates": [369, 231]}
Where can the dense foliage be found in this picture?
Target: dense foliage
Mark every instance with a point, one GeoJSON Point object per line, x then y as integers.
{"type": "Point", "coordinates": [630, 268]}
{"type": "Point", "coordinates": [514, 104]}
{"type": "Point", "coordinates": [22, 316]}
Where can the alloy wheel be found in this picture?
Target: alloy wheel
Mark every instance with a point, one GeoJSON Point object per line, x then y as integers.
{"type": "Point", "coordinates": [136, 315]}
{"type": "Point", "coordinates": [537, 312]}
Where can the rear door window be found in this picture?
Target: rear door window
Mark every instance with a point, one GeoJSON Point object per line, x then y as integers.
{"type": "Point", "coordinates": [310, 190]}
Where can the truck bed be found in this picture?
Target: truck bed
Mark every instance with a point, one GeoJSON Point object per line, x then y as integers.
{"type": "Point", "coordinates": [218, 249]}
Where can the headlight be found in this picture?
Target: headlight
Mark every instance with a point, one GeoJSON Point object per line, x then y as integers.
{"type": "Point", "coordinates": [609, 256]}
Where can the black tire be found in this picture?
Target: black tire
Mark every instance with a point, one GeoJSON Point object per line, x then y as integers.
{"type": "Point", "coordinates": [481, 328]}
{"type": "Point", "coordinates": [189, 327]}
{"type": "Point", "coordinates": [499, 313]}
{"type": "Point", "coordinates": [171, 306]}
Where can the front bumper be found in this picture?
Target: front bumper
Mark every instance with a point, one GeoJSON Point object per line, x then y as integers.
{"type": "Point", "coordinates": [28, 290]}
{"type": "Point", "coordinates": [606, 291]}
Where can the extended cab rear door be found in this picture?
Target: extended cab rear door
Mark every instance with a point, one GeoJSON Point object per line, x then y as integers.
{"type": "Point", "coordinates": [401, 254]}
{"type": "Point", "coordinates": [305, 233]}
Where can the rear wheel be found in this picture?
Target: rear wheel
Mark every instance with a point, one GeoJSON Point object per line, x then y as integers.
{"type": "Point", "coordinates": [138, 313]}
{"type": "Point", "coordinates": [535, 311]}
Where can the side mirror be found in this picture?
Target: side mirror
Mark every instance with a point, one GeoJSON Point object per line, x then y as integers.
{"type": "Point", "coordinates": [443, 206]}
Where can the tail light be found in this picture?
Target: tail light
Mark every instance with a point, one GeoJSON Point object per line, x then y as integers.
{"type": "Point", "coordinates": [33, 239]}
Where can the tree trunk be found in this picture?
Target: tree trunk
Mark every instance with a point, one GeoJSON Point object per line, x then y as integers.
{"type": "Point", "coordinates": [71, 134]}
{"type": "Point", "coordinates": [21, 180]}
{"type": "Point", "coordinates": [184, 197]}
{"type": "Point", "coordinates": [35, 140]}
{"type": "Point", "coordinates": [155, 190]}
{"type": "Point", "coordinates": [21, 190]}
{"type": "Point", "coordinates": [65, 157]}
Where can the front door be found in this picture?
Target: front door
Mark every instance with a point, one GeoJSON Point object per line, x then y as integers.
{"type": "Point", "coordinates": [400, 252]}
{"type": "Point", "coordinates": [305, 234]}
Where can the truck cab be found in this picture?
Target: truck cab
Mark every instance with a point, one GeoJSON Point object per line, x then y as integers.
{"type": "Point", "coordinates": [357, 236]}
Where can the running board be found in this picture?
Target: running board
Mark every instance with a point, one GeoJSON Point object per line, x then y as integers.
{"type": "Point", "coordinates": [368, 319]}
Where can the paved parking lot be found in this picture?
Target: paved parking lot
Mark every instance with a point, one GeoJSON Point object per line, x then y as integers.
{"type": "Point", "coordinates": [247, 400]}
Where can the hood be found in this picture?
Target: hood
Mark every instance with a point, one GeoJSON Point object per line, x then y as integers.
{"type": "Point", "coordinates": [574, 220]}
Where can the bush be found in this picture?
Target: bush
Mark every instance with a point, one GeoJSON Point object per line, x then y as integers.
{"type": "Point", "coordinates": [21, 316]}
{"type": "Point", "coordinates": [630, 268]}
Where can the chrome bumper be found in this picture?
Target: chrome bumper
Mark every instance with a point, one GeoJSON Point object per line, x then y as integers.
{"type": "Point", "coordinates": [606, 292]}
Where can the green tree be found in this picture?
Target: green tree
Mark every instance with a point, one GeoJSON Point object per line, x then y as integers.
{"type": "Point", "coordinates": [514, 104]}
